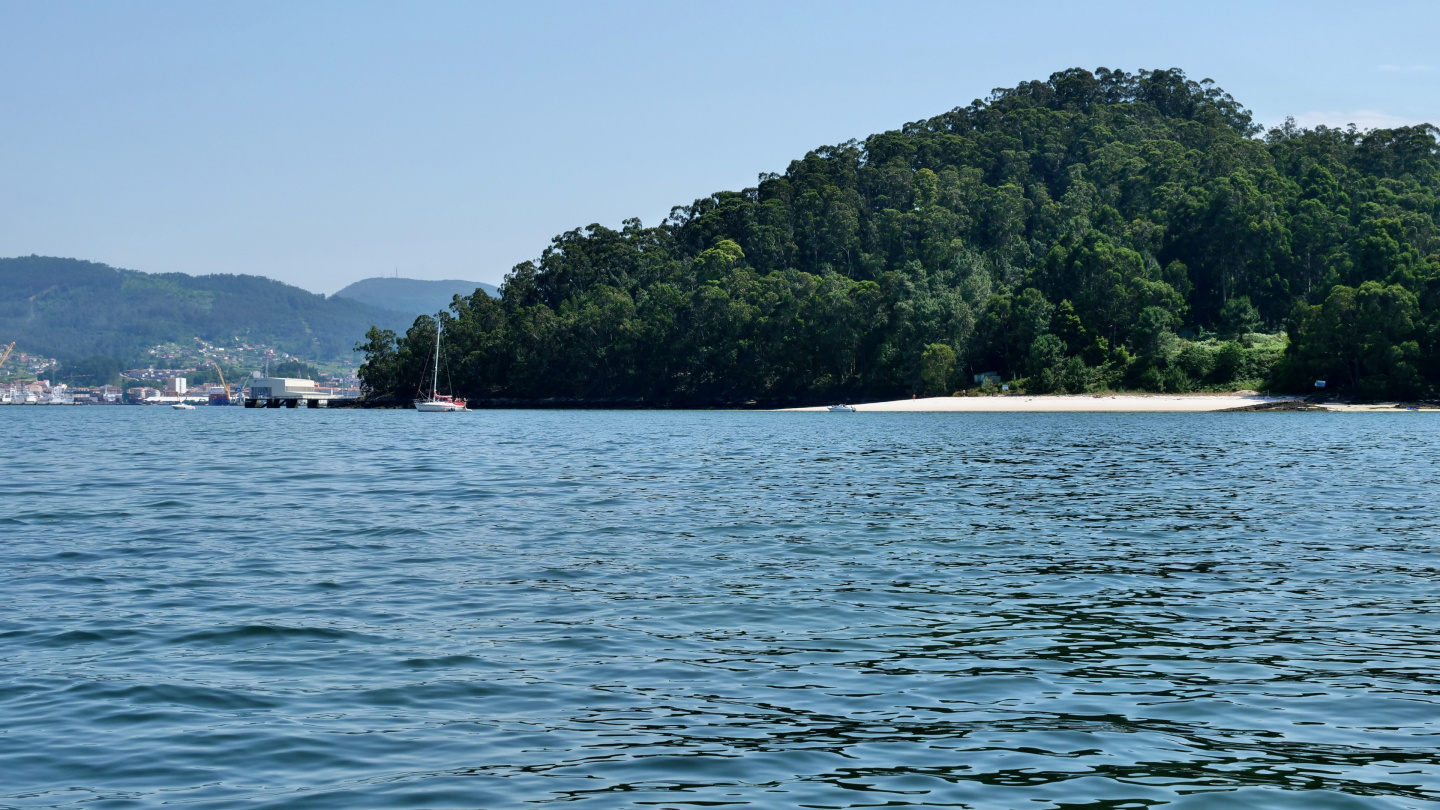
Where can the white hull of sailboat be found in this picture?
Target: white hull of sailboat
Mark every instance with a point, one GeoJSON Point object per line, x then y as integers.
{"type": "Point", "coordinates": [438, 402]}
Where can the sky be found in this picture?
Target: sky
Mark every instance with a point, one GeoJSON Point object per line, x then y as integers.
{"type": "Point", "coordinates": [320, 143]}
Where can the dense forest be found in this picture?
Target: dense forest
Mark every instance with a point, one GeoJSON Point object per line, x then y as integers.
{"type": "Point", "coordinates": [1091, 231]}
{"type": "Point", "coordinates": [74, 309]}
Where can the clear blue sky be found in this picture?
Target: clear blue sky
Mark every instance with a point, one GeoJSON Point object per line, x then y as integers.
{"type": "Point", "coordinates": [320, 143]}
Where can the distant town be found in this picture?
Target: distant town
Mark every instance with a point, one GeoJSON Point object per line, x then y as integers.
{"type": "Point", "coordinates": [198, 373]}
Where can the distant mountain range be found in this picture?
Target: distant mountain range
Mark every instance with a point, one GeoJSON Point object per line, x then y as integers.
{"type": "Point", "coordinates": [412, 296]}
{"type": "Point", "coordinates": [68, 308]}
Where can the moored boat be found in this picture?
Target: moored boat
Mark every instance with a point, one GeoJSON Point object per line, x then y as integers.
{"type": "Point", "coordinates": [440, 402]}
{"type": "Point", "coordinates": [841, 408]}
{"type": "Point", "coordinates": [437, 402]}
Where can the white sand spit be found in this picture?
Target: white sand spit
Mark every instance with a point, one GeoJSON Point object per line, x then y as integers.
{"type": "Point", "coordinates": [1377, 407]}
{"type": "Point", "coordinates": [1129, 403]}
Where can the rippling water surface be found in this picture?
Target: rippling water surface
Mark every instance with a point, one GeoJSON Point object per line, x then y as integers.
{"type": "Point", "coordinates": [228, 607]}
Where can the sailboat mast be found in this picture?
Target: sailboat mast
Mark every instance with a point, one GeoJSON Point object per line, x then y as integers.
{"type": "Point", "coordinates": [435, 382]}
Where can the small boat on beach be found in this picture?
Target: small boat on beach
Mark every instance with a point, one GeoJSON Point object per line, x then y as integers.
{"type": "Point", "coordinates": [841, 408]}
{"type": "Point", "coordinates": [437, 402]}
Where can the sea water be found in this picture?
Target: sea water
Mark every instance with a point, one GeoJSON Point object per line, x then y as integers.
{"type": "Point", "coordinates": [310, 609]}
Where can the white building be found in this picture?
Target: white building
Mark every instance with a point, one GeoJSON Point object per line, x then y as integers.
{"type": "Point", "coordinates": [274, 391]}
{"type": "Point", "coordinates": [281, 388]}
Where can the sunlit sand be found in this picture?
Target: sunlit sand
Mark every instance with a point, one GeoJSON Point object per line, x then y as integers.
{"type": "Point", "coordinates": [1158, 403]}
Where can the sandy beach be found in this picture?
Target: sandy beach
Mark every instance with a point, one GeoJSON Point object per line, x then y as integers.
{"type": "Point", "coordinates": [1117, 403]}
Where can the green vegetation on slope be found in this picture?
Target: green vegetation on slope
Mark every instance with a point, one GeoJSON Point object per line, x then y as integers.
{"type": "Point", "coordinates": [1067, 232]}
{"type": "Point", "coordinates": [75, 309]}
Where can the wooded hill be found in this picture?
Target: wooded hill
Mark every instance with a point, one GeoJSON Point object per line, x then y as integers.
{"type": "Point", "coordinates": [1091, 230]}
{"type": "Point", "coordinates": [72, 309]}
{"type": "Point", "coordinates": [411, 296]}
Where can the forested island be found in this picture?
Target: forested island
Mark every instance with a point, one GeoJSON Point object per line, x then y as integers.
{"type": "Point", "coordinates": [1097, 230]}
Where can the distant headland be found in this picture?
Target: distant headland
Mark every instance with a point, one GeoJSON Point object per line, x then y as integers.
{"type": "Point", "coordinates": [412, 295]}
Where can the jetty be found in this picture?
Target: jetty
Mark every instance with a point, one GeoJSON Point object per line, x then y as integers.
{"type": "Point", "coordinates": [288, 392]}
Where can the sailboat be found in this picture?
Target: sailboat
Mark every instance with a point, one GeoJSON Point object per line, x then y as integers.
{"type": "Point", "coordinates": [438, 402]}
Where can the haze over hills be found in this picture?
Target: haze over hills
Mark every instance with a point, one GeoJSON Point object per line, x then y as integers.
{"type": "Point", "coordinates": [412, 296]}
{"type": "Point", "coordinates": [68, 308]}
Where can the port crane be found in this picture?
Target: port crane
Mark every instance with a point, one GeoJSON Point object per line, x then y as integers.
{"type": "Point", "coordinates": [6, 355]}
{"type": "Point", "coordinates": [223, 385]}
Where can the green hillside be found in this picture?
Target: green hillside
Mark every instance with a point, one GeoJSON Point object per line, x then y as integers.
{"type": "Point", "coordinates": [70, 309]}
{"type": "Point", "coordinates": [412, 296]}
{"type": "Point", "coordinates": [1091, 230]}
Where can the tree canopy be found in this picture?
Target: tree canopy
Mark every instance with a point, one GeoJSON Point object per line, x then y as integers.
{"type": "Point", "coordinates": [1094, 229]}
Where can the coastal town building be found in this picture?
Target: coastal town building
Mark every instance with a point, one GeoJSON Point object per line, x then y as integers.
{"type": "Point", "coordinates": [36, 392]}
{"type": "Point", "coordinates": [170, 385]}
{"type": "Point", "coordinates": [22, 363]}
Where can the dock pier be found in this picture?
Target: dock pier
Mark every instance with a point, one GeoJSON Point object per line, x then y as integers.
{"type": "Point", "coordinates": [286, 392]}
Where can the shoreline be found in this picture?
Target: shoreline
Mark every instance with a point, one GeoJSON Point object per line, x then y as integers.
{"type": "Point", "coordinates": [1116, 403]}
